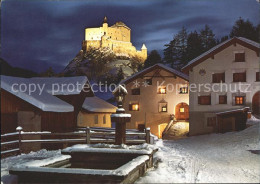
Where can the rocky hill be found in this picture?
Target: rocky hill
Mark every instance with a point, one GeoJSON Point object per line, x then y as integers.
{"type": "Point", "coordinates": [102, 64]}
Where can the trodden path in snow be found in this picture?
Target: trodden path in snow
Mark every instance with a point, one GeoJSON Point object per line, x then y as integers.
{"type": "Point", "coordinates": [209, 158]}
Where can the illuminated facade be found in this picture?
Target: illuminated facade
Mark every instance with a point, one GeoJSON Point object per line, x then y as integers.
{"type": "Point", "coordinates": [117, 37]}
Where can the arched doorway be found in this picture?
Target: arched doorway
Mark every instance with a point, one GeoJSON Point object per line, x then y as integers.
{"type": "Point", "coordinates": [256, 103]}
{"type": "Point", "coordinates": [182, 111]}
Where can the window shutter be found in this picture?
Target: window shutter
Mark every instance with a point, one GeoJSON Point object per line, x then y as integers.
{"type": "Point", "coordinates": [130, 107]}
{"type": "Point", "coordinates": [257, 76]}
{"type": "Point", "coordinates": [199, 99]}
{"type": "Point", "coordinates": [240, 57]}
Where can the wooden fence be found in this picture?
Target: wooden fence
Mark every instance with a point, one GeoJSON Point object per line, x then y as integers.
{"type": "Point", "coordinates": [11, 143]}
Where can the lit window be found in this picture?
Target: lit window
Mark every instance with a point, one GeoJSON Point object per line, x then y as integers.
{"type": "Point", "coordinates": [182, 109]}
{"type": "Point", "coordinates": [134, 107]}
{"type": "Point", "coordinates": [162, 90]}
{"type": "Point", "coordinates": [183, 90]}
{"type": "Point", "coordinates": [239, 100]}
{"type": "Point", "coordinates": [163, 106]}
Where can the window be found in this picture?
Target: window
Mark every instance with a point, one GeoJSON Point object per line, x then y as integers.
{"type": "Point", "coordinates": [239, 77]}
{"type": "Point", "coordinates": [96, 119]}
{"type": "Point", "coordinates": [222, 99]}
{"type": "Point", "coordinates": [218, 77]}
{"type": "Point", "coordinates": [104, 119]}
{"type": "Point", "coordinates": [257, 76]}
{"type": "Point", "coordinates": [134, 107]}
{"type": "Point", "coordinates": [183, 90]}
{"type": "Point", "coordinates": [136, 91]}
{"type": "Point", "coordinates": [239, 57]}
{"type": "Point", "coordinates": [149, 81]}
{"type": "Point", "coordinates": [182, 109]}
{"type": "Point", "coordinates": [163, 107]}
{"type": "Point", "coordinates": [162, 90]}
{"type": "Point", "coordinates": [204, 100]}
{"type": "Point", "coordinates": [239, 100]}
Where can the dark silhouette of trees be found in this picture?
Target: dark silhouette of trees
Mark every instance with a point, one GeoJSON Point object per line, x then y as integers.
{"type": "Point", "coordinates": [245, 29]}
{"type": "Point", "coordinates": [152, 59]}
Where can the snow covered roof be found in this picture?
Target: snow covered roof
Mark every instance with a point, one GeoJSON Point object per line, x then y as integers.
{"type": "Point", "coordinates": [149, 69]}
{"type": "Point", "coordinates": [240, 40]}
{"type": "Point", "coordinates": [95, 104]}
{"type": "Point", "coordinates": [39, 91]}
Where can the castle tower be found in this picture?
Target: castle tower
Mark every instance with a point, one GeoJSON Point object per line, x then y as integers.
{"type": "Point", "coordinates": [105, 25]}
{"type": "Point", "coordinates": [144, 51]}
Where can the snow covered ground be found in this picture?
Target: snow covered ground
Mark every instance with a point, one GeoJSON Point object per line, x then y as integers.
{"type": "Point", "coordinates": [207, 158]}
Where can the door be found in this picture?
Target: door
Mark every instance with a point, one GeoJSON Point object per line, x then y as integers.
{"type": "Point", "coordinates": [182, 111]}
{"type": "Point", "coordinates": [256, 103]}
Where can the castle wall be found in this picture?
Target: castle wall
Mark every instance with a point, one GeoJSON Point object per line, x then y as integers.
{"type": "Point", "coordinates": [116, 37]}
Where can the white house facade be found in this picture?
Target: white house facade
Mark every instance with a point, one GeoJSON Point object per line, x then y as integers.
{"type": "Point", "coordinates": [155, 94]}
{"type": "Point", "coordinates": [222, 79]}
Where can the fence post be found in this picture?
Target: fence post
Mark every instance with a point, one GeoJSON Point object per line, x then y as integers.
{"type": "Point", "coordinates": [147, 137]}
{"type": "Point", "coordinates": [19, 130]}
{"type": "Point", "coordinates": [88, 135]}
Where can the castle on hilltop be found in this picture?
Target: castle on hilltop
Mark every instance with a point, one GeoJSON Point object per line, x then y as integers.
{"type": "Point", "coordinates": [116, 37]}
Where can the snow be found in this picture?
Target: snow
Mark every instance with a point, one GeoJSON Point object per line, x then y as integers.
{"type": "Point", "coordinates": [39, 91]}
{"type": "Point", "coordinates": [125, 169]}
{"type": "Point", "coordinates": [213, 158]}
{"type": "Point", "coordinates": [120, 88]}
{"type": "Point", "coordinates": [108, 148]}
{"type": "Point", "coordinates": [121, 171]}
{"type": "Point", "coordinates": [255, 44]}
{"type": "Point", "coordinates": [209, 158]}
{"type": "Point", "coordinates": [95, 104]}
{"type": "Point", "coordinates": [234, 110]}
{"type": "Point", "coordinates": [120, 115]}
{"type": "Point", "coordinates": [169, 69]}
{"type": "Point", "coordinates": [7, 163]}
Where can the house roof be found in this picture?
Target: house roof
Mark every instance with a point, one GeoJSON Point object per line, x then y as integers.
{"type": "Point", "coordinates": [151, 68]}
{"type": "Point", "coordinates": [95, 104]}
{"type": "Point", "coordinates": [43, 91]}
{"type": "Point", "coordinates": [218, 48]}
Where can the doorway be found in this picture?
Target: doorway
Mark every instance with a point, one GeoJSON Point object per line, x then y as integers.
{"type": "Point", "coordinates": [182, 111]}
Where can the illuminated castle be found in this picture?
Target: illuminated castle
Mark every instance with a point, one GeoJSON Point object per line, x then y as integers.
{"type": "Point", "coordinates": [117, 38]}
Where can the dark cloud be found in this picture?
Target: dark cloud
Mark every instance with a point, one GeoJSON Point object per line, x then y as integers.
{"type": "Point", "coordinates": [39, 34]}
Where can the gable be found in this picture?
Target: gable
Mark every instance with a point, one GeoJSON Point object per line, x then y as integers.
{"type": "Point", "coordinates": [215, 50]}
{"type": "Point", "coordinates": [155, 71]}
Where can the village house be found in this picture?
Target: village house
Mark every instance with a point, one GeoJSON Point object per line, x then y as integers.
{"type": "Point", "coordinates": [95, 113]}
{"type": "Point", "coordinates": [53, 104]}
{"type": "Point", "coordinates": [154, 95]}
{"type": "Point", "coordinates": [223, 82]}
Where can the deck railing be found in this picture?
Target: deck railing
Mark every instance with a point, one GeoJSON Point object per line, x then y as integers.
{"type": "Point", "coordinates": [87, 135]}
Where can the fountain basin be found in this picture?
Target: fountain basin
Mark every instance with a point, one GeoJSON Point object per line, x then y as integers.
{"type": "Point", "coordinates": [82, 164]}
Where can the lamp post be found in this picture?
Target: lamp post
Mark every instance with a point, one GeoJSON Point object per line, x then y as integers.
{"type": "Point", "coordinates": [120, 117]}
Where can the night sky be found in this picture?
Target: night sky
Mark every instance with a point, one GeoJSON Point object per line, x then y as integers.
{"type": "Point", "coordinates": [39, 34]}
